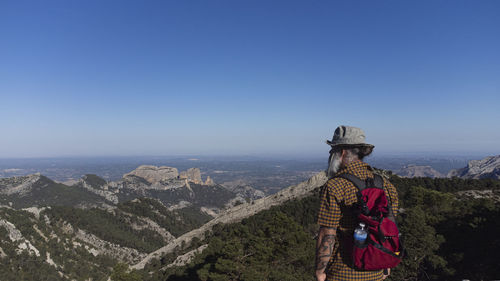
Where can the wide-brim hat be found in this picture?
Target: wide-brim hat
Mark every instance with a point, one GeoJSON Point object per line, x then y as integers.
{"type": "Point", "coordinates": [346, 136]}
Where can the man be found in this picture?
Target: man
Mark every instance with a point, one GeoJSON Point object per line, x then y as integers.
{"type": "Point", "coordinates": [336, 216]}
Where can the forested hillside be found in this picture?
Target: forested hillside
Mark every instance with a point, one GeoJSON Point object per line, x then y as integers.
{"type": "Point", "coordinates": [37, 249]}
{"type": "Point", "coordinates": [446, 237]}
{"type": "Point", "coordinates": [67, 243]}
{"type": "Point", "coordinates": [450, 228]}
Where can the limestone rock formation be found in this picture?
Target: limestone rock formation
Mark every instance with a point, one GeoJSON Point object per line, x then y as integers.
{"type": "Point", "coordinates": [488, 167]}
{"type": "Point", "coordinates": [412, 171]}
{"type": "Point", "coordinates": [35, 211]}
{"type": "Point", "coordinates": [154, 174]}
{"type": "Point", "coordinates": [193, 175]}
{"type": "Point", "coordinates": [187, 257]}
{"type": "Point", "coordinates": [209, 181]}
{"type": "Point", "coordinates": [98, 186]}
{"type": "Point", "coordinates": [100, 246]}
{"type": "Point", "coordinates": [147, 223]}
{"type": "Point", "coordinates": [246, 191]}
{"type": "Point", "coordinates": [16, 236]}
{"type": "Point", "coordinates": [480, 194]}
{"type": "Point", "coordinates": [18, 185]}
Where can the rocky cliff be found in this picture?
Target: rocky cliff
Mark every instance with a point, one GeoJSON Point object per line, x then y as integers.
{"type": "Point", "coordinates": [154, 174]}
{"type": "Point", "coordinates": [97, 186]}
{"type": "Point", "coordinates": [488, 167]}
{"type": "Point", "coordinates": [209, 181]}
{"type": "Point", "coordinates": [412, 171]}
{"type": "Point", "coordinates": [192, 175]}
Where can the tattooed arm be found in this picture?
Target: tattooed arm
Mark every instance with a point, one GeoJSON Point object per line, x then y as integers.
{"type": "Point", "coordinates": [324, 250]}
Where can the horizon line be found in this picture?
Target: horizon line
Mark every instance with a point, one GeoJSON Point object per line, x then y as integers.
{"type": "Point", "coordinates": [262, 155]}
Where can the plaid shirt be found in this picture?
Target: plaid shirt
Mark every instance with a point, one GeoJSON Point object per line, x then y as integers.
{"type": "Point", "coordinates": [337, 197]}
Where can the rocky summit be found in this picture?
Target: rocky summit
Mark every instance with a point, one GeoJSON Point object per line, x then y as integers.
{"type": "Point", "coordinates": [488, 167]}
{"type": "Point", "coordinates": [18, 185]}
{"type": "Point", "coordinates": [154, 174]}
{"type": "Point", "coordinates": [413, 171]}
{"type": "Point", "coordinates": [192, 175]}
{"type": "Point", "coordinates": [38, 190]}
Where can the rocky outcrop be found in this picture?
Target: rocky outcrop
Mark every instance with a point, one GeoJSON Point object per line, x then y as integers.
{"type": "Point", "coordinates": [180, 205]}
{"type": "Point", "coordinates": [488, 167]}
{"type": "Point", "coordinates": [153, 174]}
{"type": "Point", "coordinates": [413, 171]}
{"type": "Point", "coordinates": [187, 257]}
{"type": "Point", "coordinates": [147, 223]}
{"type": "Point", "coordinates": [209, 181]}
{"type": "Point", "coordinates": [2, 254]}
{"type": "Point", "coordinates": [97, 187]}
{"type": "Point", "coordinates": [480, 194]}
{"type": "Point", "coordinates": [18, 185]}
{"type": "Point", "coordinates": [240, 212]}
{"type": "Point", "coordinates": [246, 192]}
{"type": "Point", "coordinates": [193, 175]}
{"type": "Point", "coordinates": [100, 246]}
{"type": "Point", "coordinates": [35, 211]}
{"type": "Point", "coordinates": [16, 236]}
{"type": "Point", "coordinates": [210, 211]}
{"type": "Point", "coordinates": [143, 179]}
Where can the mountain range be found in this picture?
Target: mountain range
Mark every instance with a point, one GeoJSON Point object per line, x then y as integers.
{"type": "Point", "coordinates": [127, 221]}
{"type": "Point", "coordinates": [163, 183]}
{"type": "Point", "coordinates": [159, 220]}
{"type": "Point", "coordinates": [105, 222]}
{"type": "Point", "coordinates": [488, 167]}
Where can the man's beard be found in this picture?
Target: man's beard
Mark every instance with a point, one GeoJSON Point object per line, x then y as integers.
{"type": "Point", "coordinates": [334, 164]}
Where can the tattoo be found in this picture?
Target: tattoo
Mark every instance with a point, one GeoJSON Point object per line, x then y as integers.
{"type": "Point", "coordinates": [324, 250]}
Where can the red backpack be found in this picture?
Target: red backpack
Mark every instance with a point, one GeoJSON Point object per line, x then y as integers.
{"type": "Point", "coordinates": [382, 248]}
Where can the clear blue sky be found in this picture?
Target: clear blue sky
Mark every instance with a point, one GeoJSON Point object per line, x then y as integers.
{"type": "Point", "coordinates": [89, 78]}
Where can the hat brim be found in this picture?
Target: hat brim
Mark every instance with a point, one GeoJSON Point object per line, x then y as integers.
{"type": "Point", "coordinates": [349, 144]}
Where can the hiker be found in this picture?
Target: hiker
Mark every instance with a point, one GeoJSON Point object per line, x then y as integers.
{"type": "Point", "coordinates": [337, 216]}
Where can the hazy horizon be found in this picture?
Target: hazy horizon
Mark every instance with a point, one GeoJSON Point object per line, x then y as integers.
{"type": "Point", "coordinates": [268, 155]}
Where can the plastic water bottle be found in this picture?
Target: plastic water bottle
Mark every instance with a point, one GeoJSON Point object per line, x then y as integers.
{"type": "Point", "coordinates": [360, 235]}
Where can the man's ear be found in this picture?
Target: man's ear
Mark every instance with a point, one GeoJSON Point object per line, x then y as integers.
{"type": "Point", "coordinates": [344, 152]}
{"type": "Point", "coordinates": [343, 156]}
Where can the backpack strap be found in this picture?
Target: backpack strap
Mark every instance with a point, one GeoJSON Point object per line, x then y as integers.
{"type": "Point", "coordinates": [378, 181]}
{"type": "Point", "coordinates": [358, 183]}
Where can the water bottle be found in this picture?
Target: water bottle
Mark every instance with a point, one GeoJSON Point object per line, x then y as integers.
{"type": "Point", "coordinates": [360, 235]}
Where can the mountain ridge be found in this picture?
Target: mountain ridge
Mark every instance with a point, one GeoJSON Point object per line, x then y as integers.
{"type": "Point", "coordinates": [164, 183]}
{"type": "Point", "coordinates": [240, 212]}
{"type": "Point", "coordinates": [488, 167]}
{"type": "Point", "coordinates": [411, 171]}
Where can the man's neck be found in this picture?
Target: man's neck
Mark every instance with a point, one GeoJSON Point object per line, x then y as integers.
{"type": "Point", "coordinates": [346, 162]}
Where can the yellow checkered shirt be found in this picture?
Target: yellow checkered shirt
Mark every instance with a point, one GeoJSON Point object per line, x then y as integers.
{"type": "Point", "coordinates": [337, 197]}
